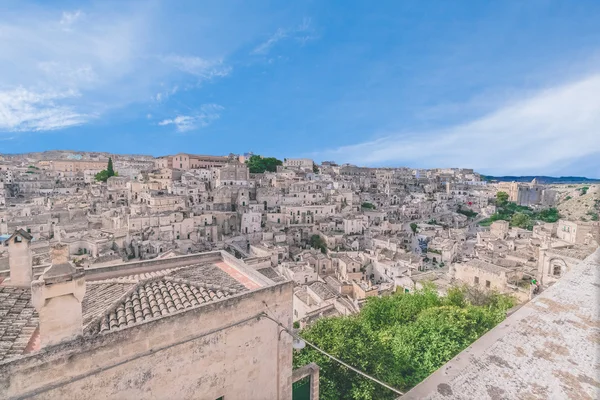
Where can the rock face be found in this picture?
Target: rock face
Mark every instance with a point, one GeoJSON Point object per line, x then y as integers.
{"type": "Point", "coordinates": [574, 205]}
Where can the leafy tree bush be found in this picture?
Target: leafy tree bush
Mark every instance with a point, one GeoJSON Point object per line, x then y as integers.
{"type": "Point", "coordinates": [501, 198]}
{"type": "Point", "coordinates": [368, 205]}
{"type": "Point", "coordinates": [317, 242]}
{"type": "Point", "coordinates": [510, 209]}
{"type": "Point", "coordinates": [400, 339]}
{"type": "Point", "coordinates": [548, 215]}
{"type": "Point", "coordinates": [414, 227]}
{"type": "Point", "coordinates": [103, 175]}
{"type": "Point", "coordinates": [467, 212]}
{"type": "Point", "coordinates": [520, 220]}
{"type": "Point", "coordinates": [259, 164]}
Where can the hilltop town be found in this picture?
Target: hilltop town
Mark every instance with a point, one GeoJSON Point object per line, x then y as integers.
{"type": "Point", "coordinates": [94, 244]}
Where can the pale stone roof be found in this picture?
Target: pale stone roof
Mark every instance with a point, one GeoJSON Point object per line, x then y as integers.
{"type": "Point", "coordinates": [323, 290]}
{"type": "Point", "coordinates": [271, 274]}
{"type": "Point", "coordinates": [18, 321]}
{"type": "Point", "coordinates": [99, 296]}
{"type": "Point", "coordinates": [486, 266]}
{"type": "Point", "coordinates": [547, 349]}
{"type": "Point", "coordinates": [573, 253]}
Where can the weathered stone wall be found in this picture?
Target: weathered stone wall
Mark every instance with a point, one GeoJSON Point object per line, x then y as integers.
{"type": "Point", "coordinates": [467, 274]}
{"type": "Point", "coordinates": [220, 349]}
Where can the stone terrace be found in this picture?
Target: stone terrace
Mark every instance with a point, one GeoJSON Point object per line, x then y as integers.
{"type": "Point", "coordinates": [548, 349]}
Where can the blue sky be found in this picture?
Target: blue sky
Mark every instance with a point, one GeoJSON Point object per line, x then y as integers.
{"type": "Point", "coordinates": [505, 87]}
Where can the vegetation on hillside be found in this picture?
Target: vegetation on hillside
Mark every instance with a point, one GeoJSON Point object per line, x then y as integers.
{"type": "Point", "coordinates": [103, 175]}
{"type": "Point", "coordinates": [467, 212]}
{"type": "Point", "coordinates": [317, 242]}
{"type": "Point", "coordinates": [368, 205]}
{"type": "Point", "coordinates": [519, 216]}
{"type": "Point", "coordinates": [400, 339]}
{"type": "Point", "coordinates": [259, 164]}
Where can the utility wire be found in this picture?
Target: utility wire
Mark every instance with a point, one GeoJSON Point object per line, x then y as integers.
{"type": "Point", "coordinates": [335, 358]}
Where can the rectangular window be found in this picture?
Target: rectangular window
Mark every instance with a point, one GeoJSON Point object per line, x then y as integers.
{"type": "Point", "coordinates": [476, 280]}
{"type": "Point", "coordinates": [488, 284]}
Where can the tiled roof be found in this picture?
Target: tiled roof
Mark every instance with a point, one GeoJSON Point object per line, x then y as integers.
{"type": "Point", "coordinates": [99, 296]}
{"type": "Point", "coordinates": [323, 290]}
{"type": "Point", "coordinates": [210, 274]}
{"type": "Point", "coordinates": [18, 321]}
{"type": "Point", "coordinates": [156, 298]}
{"type": "Point", "coordinates": [117, 302]}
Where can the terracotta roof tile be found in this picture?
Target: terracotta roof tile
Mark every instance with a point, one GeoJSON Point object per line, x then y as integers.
{"type": "Point", "coordinates": [155, 298]}
{"type": "Point", "coordinates": [18, 321]}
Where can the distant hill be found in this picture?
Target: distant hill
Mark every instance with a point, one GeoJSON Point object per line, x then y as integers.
{"type": "Point", "coordinates": [541, 179]}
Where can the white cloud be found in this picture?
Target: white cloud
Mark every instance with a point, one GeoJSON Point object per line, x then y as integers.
{"type": "Point", "coordinates": [539, 134]}
{"type": "Point", "coordinates": [204, 69]}
{"type": "Point", "coordinates": [46, 63]}
{"type": "Point", "coordinates": [264, 47]}
{"type": "Point", "coordinates": [69, 18]}
{"type": "Point", "coordinates": [23, 110]}
{"type": "Point", "coordinates": [104, 57]}
{"type": "Point", "coordinates": [208, 113]}
{"type": "Point", "coordinates": [302, 33]}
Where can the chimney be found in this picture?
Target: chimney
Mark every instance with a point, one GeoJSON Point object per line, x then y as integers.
{"type": "Point", "coordinates": [57, 296]}
{"type": "Point", "coordinates": [20, 259]}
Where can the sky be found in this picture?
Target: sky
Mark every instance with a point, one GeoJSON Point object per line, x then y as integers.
{"type": "Point", "coordinates": [504, 87]}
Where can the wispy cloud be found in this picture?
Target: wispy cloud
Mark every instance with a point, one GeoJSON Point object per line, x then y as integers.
{"type": "Point", "coordinates": [56, 73]}
{"type": "Point", "coordinates": [69, 18]}
{"type": "Point", "coordinates": [538, 134]}
{"type": "Point", "coordinates": [64, 68]}
{"type": "Point", "coordinates": [24, 110]}
{"type": "Point", "coordinates": [207, 114]}
{"type": "Point", "coordinates": [302, 33]}
{"type": "Point", "coordinates": [264, 47]}
{"type": "Point", "coordinates": [204, 69]}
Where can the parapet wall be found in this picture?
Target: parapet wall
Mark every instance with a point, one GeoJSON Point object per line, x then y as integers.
{"type": "Point", "coordinates": [218, 349]}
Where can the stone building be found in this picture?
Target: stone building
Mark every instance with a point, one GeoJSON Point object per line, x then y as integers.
{"type": "Point", "coordinates": [576, 232]}
{"type": "Point", "coordinates": [234, 174]}
{"type": "Point", "coordinates": [486, 275]}
{"type": "Point", "coordinates": [199, 326]}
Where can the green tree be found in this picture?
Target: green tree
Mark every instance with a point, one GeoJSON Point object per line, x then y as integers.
{"type": "Point", "coordinates": [315, 168]}
{"type": "Point", "coordinates": [399, 339]}
{"type": "Point", "coordinates": [501, 198]}
{"type": "Point", "coordinates": [548, 215]}
{"type": "Point", "coordinates": [103, 175]}
{"type": "Point", "coordinates": [520, 220]}
{"type": "Point", "coordinates": [109, 168]}
{"type": "Point", "coordinates": [258, 164]}
{"type": "Point", "coordinates": [367, 205]}
{"type": "Point", "coordinates": [317, 242]}
{"type": "Point", "coordinates": [414, 227]}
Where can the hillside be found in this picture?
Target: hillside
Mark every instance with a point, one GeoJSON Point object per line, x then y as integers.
{"type": "Point", "coordinates": [578, 204]}
{"type": "Point", "coordinates": [547, 180]}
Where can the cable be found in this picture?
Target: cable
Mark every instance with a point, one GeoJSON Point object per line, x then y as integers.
{"type": "Point", "coordinates": [333, 357]}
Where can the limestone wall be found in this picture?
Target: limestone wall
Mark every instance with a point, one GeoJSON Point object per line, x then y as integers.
{"type": "Point", "coordinates": [220, 349]}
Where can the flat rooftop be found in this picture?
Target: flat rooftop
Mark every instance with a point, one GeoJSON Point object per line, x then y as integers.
{"type": "Point", "coordinates": [547, 349]}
